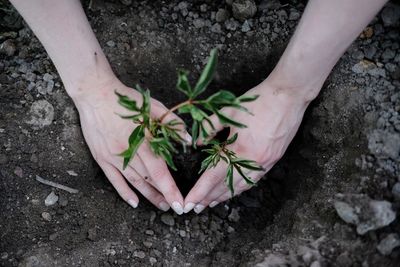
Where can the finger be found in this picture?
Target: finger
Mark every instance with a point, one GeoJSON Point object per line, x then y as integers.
{"type": "Point", "coordinates": [119, 183]}
{"type": "Point", "coordinates": [212, 131]}
{"type": "Point", "coordinates": [204, 185]}
{"type": "Point", "coordinates": [159, 110]}
{"type": "Point", "coordinates": [162, 178]}
{"type": "Point", "coordinates": [148, 191]}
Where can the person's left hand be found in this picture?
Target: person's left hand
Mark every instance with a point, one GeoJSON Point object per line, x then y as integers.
{"type": "Point", "coordinates": [276, 119]}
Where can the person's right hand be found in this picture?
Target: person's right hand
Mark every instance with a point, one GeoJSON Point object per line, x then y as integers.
{"type": "Point", "coordinates": [107, 135]}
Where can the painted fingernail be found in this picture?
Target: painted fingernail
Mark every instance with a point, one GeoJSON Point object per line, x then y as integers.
{"type": "Point", "coordinates": [213, 204]}
{"type": "Point", "coordinates": [199, 208]}
{"type": "Point", "coordinates": [133, 203]}
{"type": "Point", "coordinates": [188, 138]}
{"type": "Point", "coordinates": [177, 207]}
{"type": "Point", "coordinates": [164, 206]}
{"type": "Point", "coordinates": [188, 207]}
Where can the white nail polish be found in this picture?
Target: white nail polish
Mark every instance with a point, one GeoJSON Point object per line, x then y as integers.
{"type": "Point", "coordinates": [213, 204]}
{"type": "Point", "coordinates": [164, 206]}
{"type": "Point", "coordinates": [133, 203]}
{"type": "Point", "coordinates": [199, 208]}
{"type": "Point", "coordinates": [177, 207]}
{"type": "Point", "coordinates": [188, 138]}
{"type": "Point", "coordinates": [188, 207]}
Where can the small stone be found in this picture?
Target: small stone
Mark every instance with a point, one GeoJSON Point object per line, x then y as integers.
{"type": "Point", "coordinates": [4, 255]}
{"type": "Point", "coordinates": [62, 201]}
{"type": "Point", "coordinates": [19, 172]}
{"type": "Point", "coordinates": [222, 15]}
{"type": "Point", "coordinates": [387, 244]}
{"type": "Point", "coordinates": [8, 48]}
{"type": "Point", "coordinates": [396, 190]}
{"type": "Point", "coordinates": [243, 9]}
{"type": "Point", "coordinates": [149, 232]}
{"type": "Point", "coordinates": [367, 33]}
{"type": "Point", "coordinates": [390, 15]}
{"type": "Point", "coordinates": [167, 219]}
{"type": "Point", "coordinates": [110, 43]}
{"type": "Point", "coordinates": [152, 260]}
{"type": "Point", "coordinates": [126, 2]}
{"type": "Point", "coordinates": [234, 215]}
{"type": "Point", "coordinates": [315, 264]}
{"type": "Point", "coordinates": [198, 23]}
{"type": "Point", "coordinates": [294, 15]}
{"type": "Point", "coordinates": [139, 254]}
{"type": "Point", "coordinates": [41, 114]}
{"type": "Point", "coordinates": [72, 173]}
{"type": "Point", "coordinates": [147, 244]}
{"type": "Point", "coordinates": [51, 199]}
{"type": "Point", "coordinates": [388, 54]}
{"type": "Point", "coordinates": [3, 159]}
{"type": "Point", "coordinates": [182, 233]}
{"type": "Point", "coordinates": [367, 214]}
{"type": "Point", "coordinates": [216, 28]}
{"type": "Point", "coordinates": [203, 8]}
{"type": "Point", "coordinates": [46, 216]}
{"type": "Point", "coordinates": [231, 25]}
{"type": "Point", "coordinates": [47, 77]}
{"type": "Point", "coordinates": [92, 234]}
{"type": "Point", "coordinates": [53, 237]}
{"type": "Point", "coordinates": [230, 229]}
{"type": "Point", "coordinates": [246, 26]}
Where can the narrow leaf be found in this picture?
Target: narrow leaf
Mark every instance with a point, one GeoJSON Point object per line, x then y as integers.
{"type": "Point", "coordinates": [207, 74]}
{"type": "Point", "coordinates": [183, 84]}
{"type": "Point", "coordinates": [232, 139]}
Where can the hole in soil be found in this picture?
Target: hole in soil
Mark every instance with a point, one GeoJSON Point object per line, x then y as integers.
{"type": "Point", "coordinates": [294, 174]}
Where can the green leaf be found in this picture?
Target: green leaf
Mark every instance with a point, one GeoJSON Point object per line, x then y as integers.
{"type": "Point", "coordinates": [197, 114]}
{"type": "Point", "coordinates": [232, 139]}
{"type": "Point", "coordinates": [247, 98]}
{"type": "Point", "coordinates": [183, 84]}
{"type": "Point", "coordinates": [126, 102]}
{"type": "Point", "coordinates": [135, 140]}
{"type": "Point", "coordinates": [163, 148]}
{"type": "Point", "coordinates": [248, 180]}
{"type": "Point", "coordinates": [145, 109]}
{"type": "Point", "coordinates": [185, 109]}
{"type": "Point", "coordinates": [229, 179]}
{"type": "Point", "coordinates": [226, 120]}
{"type": "Point", "coordinates": [207, 74]}
{"type": "Point", "coordinates": [205, 164]}
{"type": "Point", "coordinates": [248, 164]}
{"type": "Point", "coordinates": [195, 132]}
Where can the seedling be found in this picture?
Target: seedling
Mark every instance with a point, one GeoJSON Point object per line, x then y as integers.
{"type": "Point", "coordinates": [164, 136]}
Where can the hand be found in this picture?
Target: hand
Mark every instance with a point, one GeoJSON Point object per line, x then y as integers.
{"type": "Point", "coordinates": [276, 119]}
{"type": "Point", "coordinates": [107, 135]}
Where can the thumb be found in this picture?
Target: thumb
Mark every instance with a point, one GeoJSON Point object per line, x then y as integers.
{"type": "Point", "coordinates": [218, 126]}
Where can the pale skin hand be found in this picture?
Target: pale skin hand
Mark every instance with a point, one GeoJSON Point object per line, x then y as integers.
{"type": "Point", "coordinates": [64, 31]}
{"type": "Point", "coordinates": [325, 31]}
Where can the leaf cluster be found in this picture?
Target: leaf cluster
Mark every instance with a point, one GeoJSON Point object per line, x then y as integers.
{"type": "Point", "coordinates": [163, 136]}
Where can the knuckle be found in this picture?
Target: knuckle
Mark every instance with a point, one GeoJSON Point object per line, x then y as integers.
{"type": "Point", "coordinates": [135, 181]}
{"type": "Point", "coordinates": [159, 173]}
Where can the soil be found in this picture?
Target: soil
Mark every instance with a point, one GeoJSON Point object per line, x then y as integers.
{"type": "Point", "coordinates": [346, 144]}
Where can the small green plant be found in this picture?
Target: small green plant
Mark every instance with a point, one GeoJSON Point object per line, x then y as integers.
{"type": "Point", "coordinates": [163, 136]}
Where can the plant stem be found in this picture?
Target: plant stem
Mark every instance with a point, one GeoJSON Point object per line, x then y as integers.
{"type": "Point", "coordinates": [175, 108]}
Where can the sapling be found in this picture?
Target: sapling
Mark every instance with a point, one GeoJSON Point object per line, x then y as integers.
{"type": "Point", "coordinates": [163, 136]}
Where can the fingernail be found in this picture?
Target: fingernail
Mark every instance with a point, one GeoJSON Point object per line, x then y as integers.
{"type": "Point", "coordinates": [213, 204]}
{"type": "Point", "coordinates": [164, 206]}
{"type": "Point", "coordinates": [177, 207]}
{"type": "Point", "coordinates": [188, 207]}
{"type": "Point", "coordinates": [199, 208]}
{"type": "Point", "coordinates": [188, 138]}
{"type": "Point", "coordinates": [133, 203]}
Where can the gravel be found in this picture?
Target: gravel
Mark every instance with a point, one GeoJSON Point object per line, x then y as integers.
{"type": "Point", "coordinates": [168, 219]}
{"type": "Point", "coordinates": [51, 199]}
{"type": "Point", "coordinates": [386, 246]}
{"type": "Point", "coordinates": [390, 15]}
{"type": "Point", "coordinates": [41, 114]}
{"type": "Point", "coordinates": [243, 9]}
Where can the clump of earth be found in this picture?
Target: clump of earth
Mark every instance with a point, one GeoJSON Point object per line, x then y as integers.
{"type": "Point", "coordinates": [332, 200]}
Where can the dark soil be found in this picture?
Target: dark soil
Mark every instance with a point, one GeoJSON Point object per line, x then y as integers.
{"type": "Point", "coordinates": [288, 216]}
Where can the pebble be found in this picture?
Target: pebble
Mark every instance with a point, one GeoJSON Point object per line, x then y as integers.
{"type": "Point", "coordinates": [386, 246]}
{"type": "Point", "coordinates": [222, 15]}
{"type": "Point", "coordinates": [167, 219]}
{"type": "Point", "coordinates": [246, 26]}
{"type": "Point", "coordinates": [243, 9]}
{"type": "Point", "coordinates": [198, 23]}
{"type": "Point", "coordinates": [216, 28]}
{"type": "Point", "coordinates": [390, 15]}
{"type": "Point", "coordinates": [294, 15]}
{"type": "Point", "coordinates": [111, 43]}
{"type": "Point", "coordinates": [92, 234]}
{"type": "Point", "coordinates": [41, 114]}
{"type": "Point", "coordinates": [3, 159]}
{"type": "Point", "coordinates": [46, 216]}
{"type": "Point", "coordinates": [62, 201]}
{"type": "Point", "coordinates": [139, 254]}
{"type": "Point", "coordinates": [234, 215]}
{"type": "Point", "coordinates": [149, 232]}
{"type": "Point", "coordinates": [152, 260]}
{"type": "Point", "coordinates": [147, 244]}
{"type": "Point", "coordinates": [51, 199]}
{"type": "Point", "coordinates": [367, 214]}
{"type": "Point", "coordinates": [8, 48]}
{"type": "Point", "coordinates": [19, 172]}
{"type": "Point", "coordinates": [182, 233]}
{"type": "Point", "coordinates": [231, 25]}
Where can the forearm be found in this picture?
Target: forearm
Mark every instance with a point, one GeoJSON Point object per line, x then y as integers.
{"type": "Point", "coordinates": [64, 31]}
{"type": "Point", "coordinates": [325, 31]}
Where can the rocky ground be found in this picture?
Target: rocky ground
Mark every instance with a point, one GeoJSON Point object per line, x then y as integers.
{"type": "Point", "coordinates": [331, 201]}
